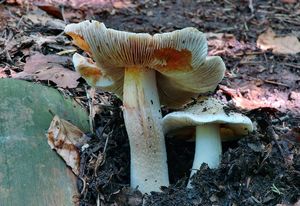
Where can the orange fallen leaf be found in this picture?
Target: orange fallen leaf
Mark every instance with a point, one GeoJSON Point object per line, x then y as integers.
{"type": "Point", "coordinates": [280, 45]}
{"type": "Point", "coordinates": [66, 139]}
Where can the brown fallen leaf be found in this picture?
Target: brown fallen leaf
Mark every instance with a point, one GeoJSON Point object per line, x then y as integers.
{"type": "Point", "coordinates": [40, 17]}
{"type": "Point", "coordinates": [66, 139]}
{"type": "Point", "coordinates": [280, 45]}
{"type": "Point", "coordinates": [50, 9]}
{"type": "Point", "coordinates": [255, 97]}
{"type": "Point", "coordinates": [49, 67]}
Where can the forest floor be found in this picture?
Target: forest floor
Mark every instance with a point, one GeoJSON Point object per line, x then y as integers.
{"type": "Point", "coordinates": [260, 169]}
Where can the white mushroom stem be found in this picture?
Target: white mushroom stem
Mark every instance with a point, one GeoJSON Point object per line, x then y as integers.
{"type": "Point", "coordinates": [142, 116]}
{"type": "Point", "coordinates": [208, 147]}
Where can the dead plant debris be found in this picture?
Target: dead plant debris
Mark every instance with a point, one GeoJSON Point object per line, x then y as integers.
{"type": "Point", "coordinates": [261, 169]}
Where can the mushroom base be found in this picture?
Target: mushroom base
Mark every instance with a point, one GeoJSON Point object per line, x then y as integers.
{"type": "Point", "coordinates": [143, 118]}
{"type": "Point", "coordinates": [208, 147]}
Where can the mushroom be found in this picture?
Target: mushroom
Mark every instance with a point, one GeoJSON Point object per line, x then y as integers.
{"type": "Point", "coordinates": [145, 71]}
{"type": "Point", "coordinates": [211, 125]}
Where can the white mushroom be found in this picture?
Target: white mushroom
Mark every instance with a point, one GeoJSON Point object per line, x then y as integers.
{"type": "Point", "coordinates": [212, 125]}
{"type": "Point", "coordinates": [145, 70]}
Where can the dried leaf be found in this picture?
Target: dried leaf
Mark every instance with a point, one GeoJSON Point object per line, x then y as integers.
{"type": "Point", "coordinates": [50, 9]}
{"type": "Point", "coordinates": [281, 45]}
{"type": "Point", "coordinates": [66, 139]}
{"type": "Point", "coordinates": [15, 44]}
{"type": "Point", "coordinates": [39, 17]}
{"type": "Point", "coordinates": [257, 97]}
{"type": "Point", "coordinates": [48, 67]}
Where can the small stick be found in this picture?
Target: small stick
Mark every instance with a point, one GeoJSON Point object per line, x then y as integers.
{"type": "Point", "coordinates": [91, 119]}
{"type": "Point", "coordinates": [292, 65]}
{"type": "Point", "coordinates": [98, 200]}
{"type": "Point", "coordinates": [251, 6]}
{"type": "Point", "coordinates": [102, 155]}
{"type": "Point", "coordinates": [84, 185]}
{"type": "Point", "coordinates": [276, 83]}
{"type": "Point", "coordinates": [62, 10]}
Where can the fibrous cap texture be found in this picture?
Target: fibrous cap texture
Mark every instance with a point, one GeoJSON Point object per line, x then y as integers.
{"type": "Point", "coordinates": [180, 59]}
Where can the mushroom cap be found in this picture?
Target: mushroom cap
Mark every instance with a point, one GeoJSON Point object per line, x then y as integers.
{"type": "Point", "coordinates": [208, 111]}
{"type": "Point", "coordinates": [179, 58]}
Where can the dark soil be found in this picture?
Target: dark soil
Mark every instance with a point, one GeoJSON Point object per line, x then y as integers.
{"type": "Point", "coordinates": [260, 169]}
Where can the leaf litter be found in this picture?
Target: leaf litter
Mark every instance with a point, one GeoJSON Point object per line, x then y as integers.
{"type": "Point", "coordinates": [262, 168]}
{"type": "Point", "coordinates": [280, 45]}
{"type": "Point", "coordinates": [67, 140]}
{"type": "Point", "coordinates": [49, 68]}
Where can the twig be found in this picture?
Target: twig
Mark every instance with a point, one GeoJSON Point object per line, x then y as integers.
{"type": "Point", "coordinates": [91, 119]}
{"type": "Point", "coordinates": [250, 62]}
{"type": "Point", "coordinates": [276, 83]}
{"type": "Point", "coordinates": [106, 142]}
{"type": "Point", "coordinates": [281, 119]}
{"type": "Point", "coordinates": [230, 3]}
{"type": "Point", "coordinates": [102, 155]}
{"type": "Point", "coordinates": [275, 189]}
{"type": "Point", "coordinates": [256, 200]}
{"type": "Point", "coordinates": [250, 53]}
{"type": "Point", "coordinates": [62, 10]}
{"type": "Point", "coordinates": [98, 200]}
{"type": "Point", "coordinates": [8, 57]}
{"type": "Point", "coordinates": [292, 22]}
{"type": "Point", "coordinates": [273, 136]}
{"type": "Point", "coordinates": [19, 22]}
{"type": "Point", "coordinates": [104, 128]}
{"type": "Point", "coordinates": [84, 185]}
{"type": "Point", "coordinates": [269, 81]}
{"type": "Point", "coordinates": [265, 158]}
{"type": "Point", "coordinates": [251, 6]}
{"type": "Point", "coordinates": [292, 65]}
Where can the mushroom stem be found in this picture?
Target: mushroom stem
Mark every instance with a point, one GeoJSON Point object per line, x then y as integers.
{"type": "Point", "coordinates": [142, 116]}
{"type": "Point", "coordinates": [208, 147]}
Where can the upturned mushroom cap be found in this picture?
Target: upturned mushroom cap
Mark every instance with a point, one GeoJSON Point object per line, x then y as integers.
{"type": "Point", "coordinates": [91, 72]}
{"type": "Point", "coordinates": [208, 111]}
{"type": "Point", "coordinates": [179, 57]}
